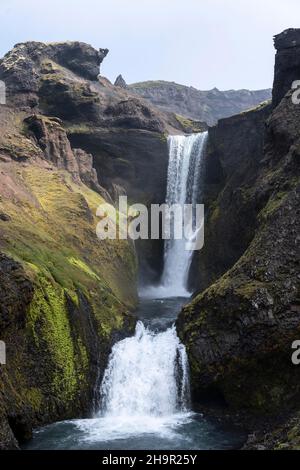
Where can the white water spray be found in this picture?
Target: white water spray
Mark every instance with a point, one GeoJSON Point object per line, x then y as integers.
{"type": "Point", "coordinates": [147, 376]}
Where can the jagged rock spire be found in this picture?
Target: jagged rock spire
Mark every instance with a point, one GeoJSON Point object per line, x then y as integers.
{"type": "Point", "coordinates": [120, 82]}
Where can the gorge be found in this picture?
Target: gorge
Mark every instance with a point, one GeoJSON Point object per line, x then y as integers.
{"type": "Point", "coordinates": [108, 369]}
{"type": "Point", "coordinates": [145, 391]}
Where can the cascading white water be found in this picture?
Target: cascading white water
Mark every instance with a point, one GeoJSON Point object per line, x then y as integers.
{"type": "Point", "coordinates": [146, 382]}
{"type": "Point", "coordinates": [147, 376]}
{"type": "Point", "coordinates": [183, 187]}
{"type": "Point", "coordinates": [184, 173]}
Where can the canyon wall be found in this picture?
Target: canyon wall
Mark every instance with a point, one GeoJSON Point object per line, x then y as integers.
{"type": "Point", "coordinates": [240, 327]}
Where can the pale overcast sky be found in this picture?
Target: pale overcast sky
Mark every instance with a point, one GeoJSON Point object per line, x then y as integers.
{"type": "Point", "coordinates": [203, 43]}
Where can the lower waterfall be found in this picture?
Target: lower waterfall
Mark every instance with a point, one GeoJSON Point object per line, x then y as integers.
{"type": "Point", "coordinates": [147, 375]}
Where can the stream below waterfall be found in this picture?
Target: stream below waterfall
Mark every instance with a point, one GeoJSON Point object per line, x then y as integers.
{"type": "Point", "coordinates": [145, 396]}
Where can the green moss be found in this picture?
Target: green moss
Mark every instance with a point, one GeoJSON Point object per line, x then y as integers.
{"type": "Point", "coordinates": [84, 267]}
{"type": "Point", "coordinates": [164, 137]}
{"type": "Point", "coordinates": [256, 108]}
{"type": "Point", "coordinates": [189, 125]}
{"type": "Point", "coordinates": [34, 397]}
{"type": "Point", "coordinates": [249, 288]}
{"type": "Point", "coordinates": [19, 147]}
{"type": "Point", "coordinates": [215, 215]}
{"type": "Point", "coordinates": [48, 321]}
{"type": "Point", "coordinates": [52, 233]}
{"type": "Point", "coordinates": [273, 204]}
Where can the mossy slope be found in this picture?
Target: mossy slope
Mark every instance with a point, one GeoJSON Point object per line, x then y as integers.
{"type": "Point", "coordinates": [75, 291]}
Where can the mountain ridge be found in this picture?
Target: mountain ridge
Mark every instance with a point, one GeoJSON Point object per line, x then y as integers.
{"type": "Point", "coordinates": [201, 105]}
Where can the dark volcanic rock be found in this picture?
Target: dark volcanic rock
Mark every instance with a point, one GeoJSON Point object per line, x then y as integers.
{"type": "Point", "coordinates": [16, 292]}
{"type": "Point", "coordinates": [120, 82]}
{"type": "Point", "coordinates": [81, 58]}
{"type": "Point", "coordinates": [287, 63]}
{"type": "Point", "coordinates": [20, 68]}
{"type": "Point", "coordinates": [233, 160]}
{"type": "Point", "coordinates": [239, 330]}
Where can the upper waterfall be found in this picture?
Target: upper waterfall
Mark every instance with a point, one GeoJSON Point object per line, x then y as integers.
{"type": "Point", "coordinates": [183, 187]}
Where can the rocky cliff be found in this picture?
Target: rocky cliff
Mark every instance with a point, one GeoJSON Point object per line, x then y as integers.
{"type": "Point", "coordinates": [64, 294]}
{"type": "Point", "coordinates": [240, 327]}
{"type": "Point", "coordinates": [123, 137]}
{"type": "Point", "coordinates": [205, 106]}
{"type": "Point", "coordinates": [69, 141]}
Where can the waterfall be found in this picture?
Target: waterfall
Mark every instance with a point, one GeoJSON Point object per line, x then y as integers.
{"type": "Point", "coordinates": [183, 187]}
{"type": "Point", "coordinates": [147, 376]}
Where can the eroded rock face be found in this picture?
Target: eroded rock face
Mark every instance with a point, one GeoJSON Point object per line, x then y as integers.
{"type": "Point", "coordinates": [50, 135]}
{"type": "Point", "coordinates": [20, 68]}
{"type": "Point", "coordinates": [16, 292]}
{"type": "Point", "coordinates": [79, 57]}
{"type": "Point", "coordinates": [52, 139]}
{"type": "Point", "coordinates": [239, 330]}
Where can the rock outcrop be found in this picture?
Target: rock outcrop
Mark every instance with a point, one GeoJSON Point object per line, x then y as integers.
{"type": "Point", "coordinates": [287, 63]}
{"type": "Point", "coordinates": [120, 82]}
{"type": "Point", "coordinates": [20, 68]}
{"type": "Point", "coordinates": [240, 327]}
{"type": "Point", "coordinates": [204, 106]}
